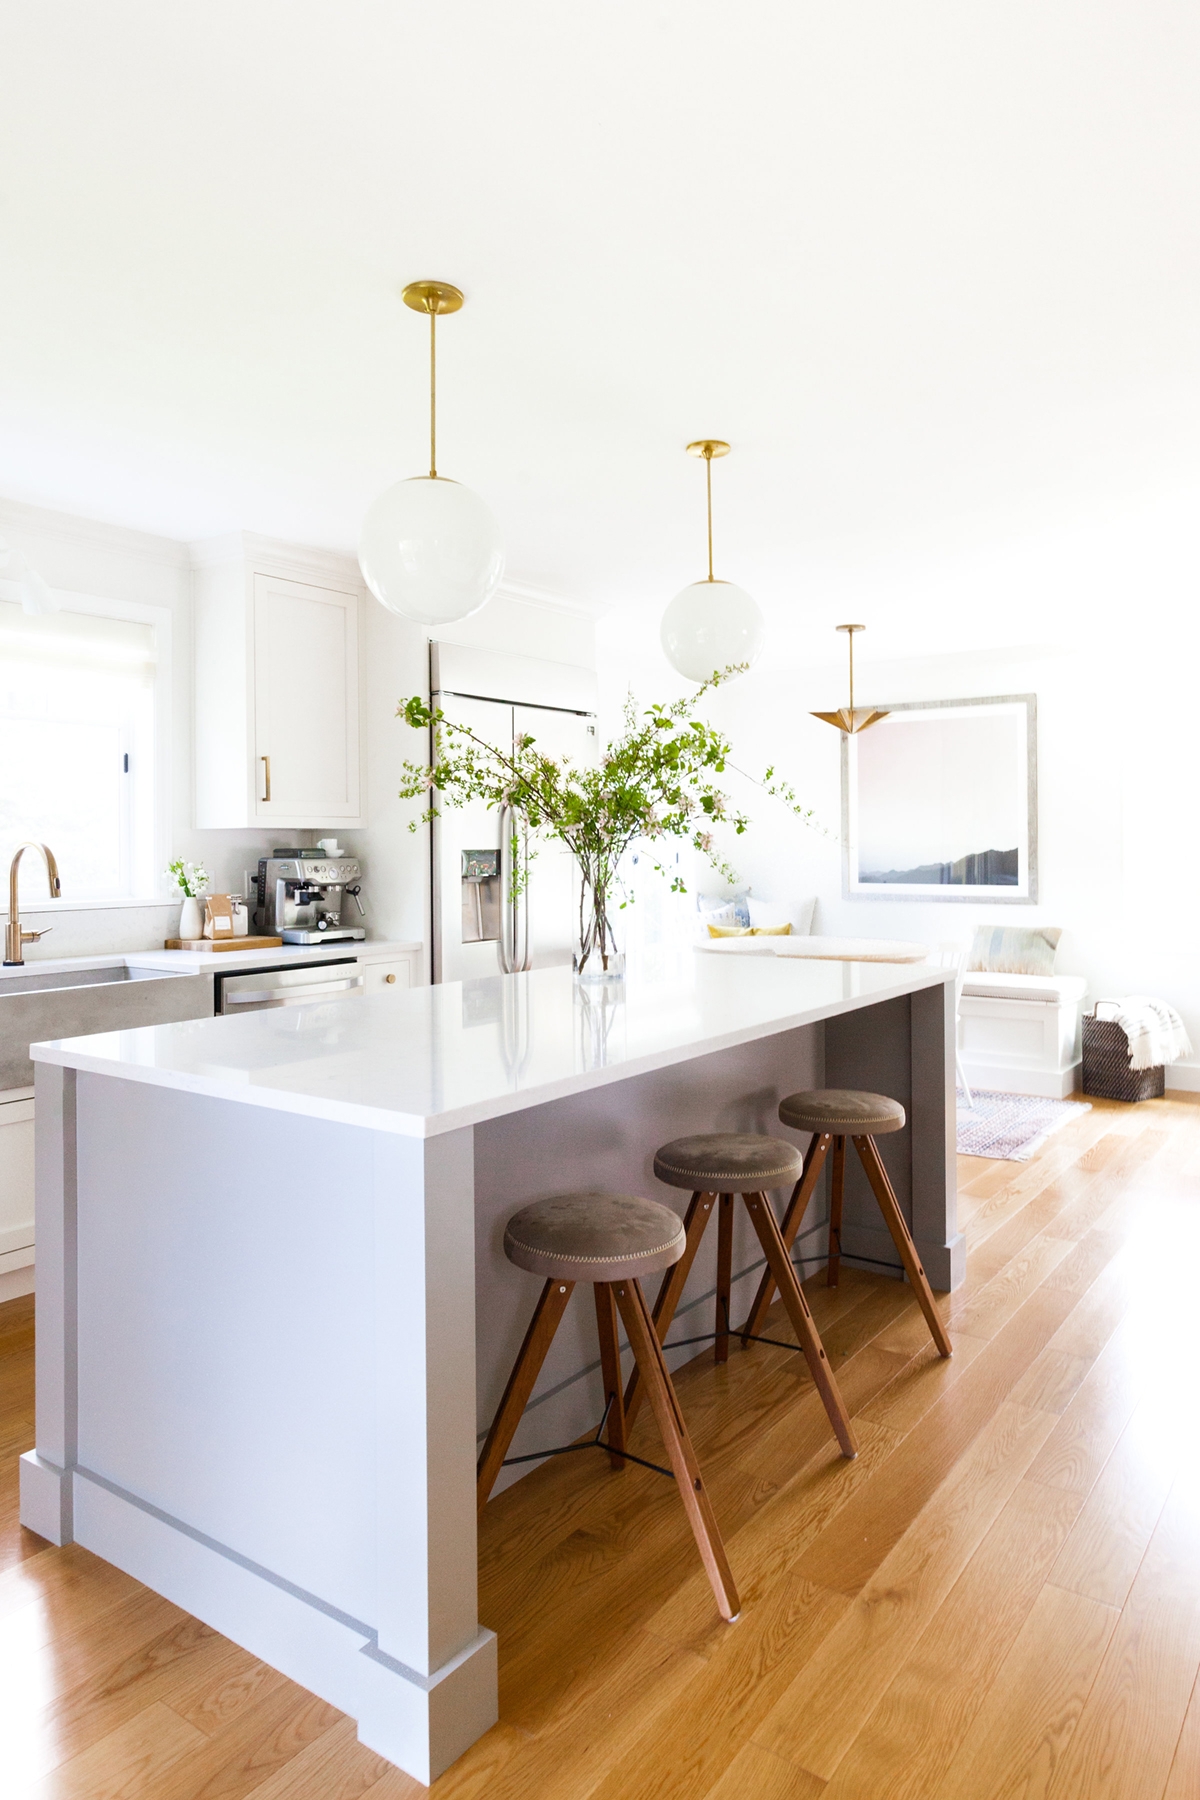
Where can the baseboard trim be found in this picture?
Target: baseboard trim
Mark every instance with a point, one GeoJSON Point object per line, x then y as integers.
{"type": "Point", "coordinates": [1001, 1078]}
{"type": "Point", "coordinates": [420, 1723]}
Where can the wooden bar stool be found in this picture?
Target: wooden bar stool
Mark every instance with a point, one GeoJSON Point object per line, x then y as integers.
{"type": "Point", "coordinates": [833, 1115]}
{"type": "Point", "coordinates": [716, 1166]}
{"type": "Point", "coordinates": [611, 1240]}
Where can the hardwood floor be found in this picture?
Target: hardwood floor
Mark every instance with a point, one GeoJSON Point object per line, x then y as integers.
{"type": "Point", "coordinates": [1000, 1597]}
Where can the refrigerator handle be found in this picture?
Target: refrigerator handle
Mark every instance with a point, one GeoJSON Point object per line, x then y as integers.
{"type": "Point", "coordinates": [513, 947]}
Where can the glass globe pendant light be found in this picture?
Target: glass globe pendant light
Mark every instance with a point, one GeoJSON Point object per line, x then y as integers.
{"type": "Point", "coordinates": [430, 548]}
{"type": "Point", "coordinates": [711, 624]}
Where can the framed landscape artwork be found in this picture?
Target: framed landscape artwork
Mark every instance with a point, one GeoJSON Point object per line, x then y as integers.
{"type": "Point", "coordinates": [939, 802]}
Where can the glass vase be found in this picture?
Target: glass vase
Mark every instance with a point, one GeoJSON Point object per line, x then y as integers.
{"type": "Point", "coordinates": [596, 959]}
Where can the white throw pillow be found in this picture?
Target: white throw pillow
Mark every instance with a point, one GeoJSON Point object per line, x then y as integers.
{"type": "Point", "coordinates": [796, 913]}
{"type": "Point", "coordinates": [721, 909]}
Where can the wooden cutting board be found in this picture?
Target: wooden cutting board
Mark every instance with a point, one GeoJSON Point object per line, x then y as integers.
{"type": "Point", "coordinates": [219, 944]}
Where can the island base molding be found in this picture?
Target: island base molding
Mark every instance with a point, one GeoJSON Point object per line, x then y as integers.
{"type": "Point", "coordinates": [422, 1723]}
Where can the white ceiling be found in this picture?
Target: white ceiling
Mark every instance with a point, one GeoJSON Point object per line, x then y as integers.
{"type": "Point", "coordinates": [931, 267]}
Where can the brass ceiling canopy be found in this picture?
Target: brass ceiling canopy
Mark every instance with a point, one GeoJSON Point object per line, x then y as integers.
{"type": "Point", "coordinates": [432, 296]}
{"type": "Point", "coordinates": [851, 719]}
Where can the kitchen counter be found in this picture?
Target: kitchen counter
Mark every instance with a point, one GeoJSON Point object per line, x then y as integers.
{"type": "Point", "coordinates": [196, 962]}
{"type": "Point", "coordinates": [283, 1234]}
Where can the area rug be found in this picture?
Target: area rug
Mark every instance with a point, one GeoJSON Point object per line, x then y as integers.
{"type": "Point", "coordinates": [1010, 1127]}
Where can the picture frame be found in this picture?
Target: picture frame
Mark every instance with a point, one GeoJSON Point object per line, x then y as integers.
{"type": "Point", "coordinates": [939, 803]}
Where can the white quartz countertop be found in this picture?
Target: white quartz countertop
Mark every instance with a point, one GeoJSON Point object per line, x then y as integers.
{"type": "Point", "coordinates": [192, 962]}
{"type": "Point", "coordinates": [426, 1060]}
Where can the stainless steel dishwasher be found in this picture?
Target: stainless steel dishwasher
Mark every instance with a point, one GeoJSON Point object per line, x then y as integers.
{"type": "Point", "coordinates": [255, 990]}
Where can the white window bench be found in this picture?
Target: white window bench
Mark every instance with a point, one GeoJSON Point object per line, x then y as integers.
{"type": "Point", "coordinates": [1022, 1033]}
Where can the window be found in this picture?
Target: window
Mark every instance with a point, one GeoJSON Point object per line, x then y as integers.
{"type": "Point", "coordinates": [77, 749]}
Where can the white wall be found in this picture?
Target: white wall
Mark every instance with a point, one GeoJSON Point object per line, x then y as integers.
{"type": "Point", "coordinates": [1098, 619]}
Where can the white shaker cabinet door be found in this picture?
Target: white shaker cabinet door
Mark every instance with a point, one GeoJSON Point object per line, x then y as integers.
{"type": "Point", "coordinates": [305, 701]}
{"type": "Point", "coordinates": [16, 1183]}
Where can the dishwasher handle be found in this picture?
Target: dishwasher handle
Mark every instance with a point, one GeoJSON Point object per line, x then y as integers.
{"type": "Point", "coordinates": [285, 996]}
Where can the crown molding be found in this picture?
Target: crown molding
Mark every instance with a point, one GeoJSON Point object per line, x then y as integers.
{"type": "Point", "coordinates": [20, 519]}
{"type": "Point", "coordinates": [303, 562]}
{"type": "Point", "coordinates": [529, 595]}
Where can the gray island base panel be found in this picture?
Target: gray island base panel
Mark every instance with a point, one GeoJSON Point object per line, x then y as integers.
{"type": "Point", "coordinates": [274, 1314]}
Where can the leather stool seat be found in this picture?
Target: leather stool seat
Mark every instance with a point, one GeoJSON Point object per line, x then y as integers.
{"type": "Point", "coordinates": [722, 1162]}
{"type": "Point", "coordinates": [594, 1237]}
{"type": "Point", "coordinates": [847, 1112]}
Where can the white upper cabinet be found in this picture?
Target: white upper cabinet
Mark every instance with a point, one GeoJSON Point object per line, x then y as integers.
{"type": "Point", "coordinates": [277, 690]}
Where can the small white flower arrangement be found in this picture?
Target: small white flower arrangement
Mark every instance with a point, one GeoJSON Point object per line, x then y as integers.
{"type": "Point", "coordinates": [191, 878]}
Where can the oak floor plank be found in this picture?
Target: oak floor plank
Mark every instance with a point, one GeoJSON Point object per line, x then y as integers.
{"type": "Point", "coordinates": [818, 1718]}
{"type": "Point", "coordinates": [1016, 1745]}
{"type": "Point", "coordinates": [1129, 1729]}
{"type": "Point", "coordinates": [911, 1393]}
{"type": "Point", "coordinates": [334, 1767]}
{"type": "Point", "coordinates": [755, 1662]}
{"type": "Point", "coordinates": [912, 1736]}
{"type": "Point", "coordinates": [756, 1774]}
{"type": "Point", "coordinates": [1183, 1782]}
{"type": "Point", "coordinates": [116, 1692]}
{"type": "Point", "coordinates": [994, 1305]}
{"type": "Point", "coordinates": [128, 1764]}
{"type": "Point", "coordinates": [264, 1742]}
{"type": "Point", "coordinates": [847, 1554]}
{"type": "Point", "coordinates": [768, 1545]}
{"type": "Point", "coordinates": [1131, 1725]}
{"type": "Point", "coordinates": [609, 1706]}
{"type": "Point", "coordinates": [1102, 1555]}
{"type": "Point", "coordinates": [1090, 1427]}
{"type": "Point", "coordinates": [1052, 1381]}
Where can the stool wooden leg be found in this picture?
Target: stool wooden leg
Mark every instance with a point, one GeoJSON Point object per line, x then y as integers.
{"type": "Point", "coordinates": [889, 1206]}
{"type": "Point", "coordinates": [802, 1193]}
{"type": "Point", "coordinates": [724, 1276]}
{"type": "Point", "coordinates": [837, 1188]}
{"type": "Point", "coordinates": [610, 1369]}
{"type": "Point", "coordinates": [780, 1264]}
{"type": "Point", "coordinates": [695, 1222]}
{"type": "Point", "coordinates": [538, 1339]}
{"type": "Point", "coordinates": [677, 1440]}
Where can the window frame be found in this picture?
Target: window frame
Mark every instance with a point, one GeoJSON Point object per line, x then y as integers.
{"type": "Point", "coordinates": [161, 618]}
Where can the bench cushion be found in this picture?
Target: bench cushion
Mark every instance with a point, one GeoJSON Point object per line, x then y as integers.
{"type": "Point", "coordinates": [1064, 990]}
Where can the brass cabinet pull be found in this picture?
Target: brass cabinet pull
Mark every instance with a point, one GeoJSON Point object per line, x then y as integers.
{"type": "Point", "coordinates": [267, 776]}
{"type": "Point", "coordinates": [389, 979]}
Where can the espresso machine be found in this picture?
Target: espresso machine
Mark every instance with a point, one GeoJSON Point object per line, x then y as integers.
{"type": "Point", "coordinates": [302, 895]}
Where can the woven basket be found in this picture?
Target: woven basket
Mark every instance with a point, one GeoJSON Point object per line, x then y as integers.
{"type": "Point", "coordinates": [1106, 1070]}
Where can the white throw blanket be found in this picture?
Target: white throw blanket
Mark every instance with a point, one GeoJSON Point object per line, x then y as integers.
{"type": "Point", "coordinates": [1154, 1029]}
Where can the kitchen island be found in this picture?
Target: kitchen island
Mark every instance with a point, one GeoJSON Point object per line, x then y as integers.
{"type": "Point", "coordinates": [274, 1315]}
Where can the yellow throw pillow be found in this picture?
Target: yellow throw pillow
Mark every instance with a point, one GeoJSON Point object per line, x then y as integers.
{"type": "Point", "coordinates": [750, 930]}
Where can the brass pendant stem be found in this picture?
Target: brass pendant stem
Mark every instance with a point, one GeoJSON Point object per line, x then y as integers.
{"type": "Point", "coordinates": [432, 395]}
{"type": "Point", "coordinates": [708, 448]}
{"type": "Point", "coordinates": [432, 297]}
{"type": "Point", "coordinates": [851, 637]}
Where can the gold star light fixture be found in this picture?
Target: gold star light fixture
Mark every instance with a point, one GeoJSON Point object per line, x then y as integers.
{"type": "Point", "coordinates": [852, 718]}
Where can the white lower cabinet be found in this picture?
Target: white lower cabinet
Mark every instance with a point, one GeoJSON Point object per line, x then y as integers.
{"type": "Point", "coordinates": [16, 1182]}
{"type": "Point", "coordinates": [386, 977]}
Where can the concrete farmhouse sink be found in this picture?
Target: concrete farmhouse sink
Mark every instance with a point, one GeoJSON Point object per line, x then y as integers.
{"type": "Point", "coordinates": [54, 1003]}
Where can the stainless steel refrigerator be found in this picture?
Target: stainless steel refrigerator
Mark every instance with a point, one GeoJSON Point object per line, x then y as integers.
{"type": "Point", "coordinates": [477, 928]}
